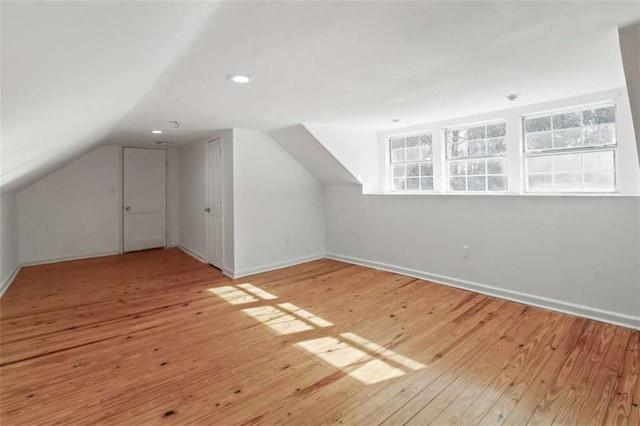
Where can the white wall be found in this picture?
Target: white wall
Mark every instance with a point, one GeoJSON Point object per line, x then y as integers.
{"type": "Point", "coordinates": [8, 239]}
{"type": "Point", "coordinates": [577, 254]}
{"type": "Point", "coordinates": [75, 211]}
{"type": "Point", "coordinates": [356, 149]}
{"type": "Point", "coordinates": [274, 196]}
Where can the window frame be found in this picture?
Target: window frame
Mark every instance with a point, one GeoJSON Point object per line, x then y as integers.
{"type": "Point", "coordinates": [447, 159]}
{"type": "Point", "coordinates": [390, 164]}
{"type": "Point", "coordinates": [552, 152]}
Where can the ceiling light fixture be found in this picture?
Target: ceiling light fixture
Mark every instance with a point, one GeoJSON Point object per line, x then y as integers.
{"type": "Point", "coordinates": [156, 132]}
{"type": "Point", "coordinates": [395, 120]}
{"type": "Point", "coordinates": [239, 78]}
{"type": "Point", "coordinates": [512, 97]}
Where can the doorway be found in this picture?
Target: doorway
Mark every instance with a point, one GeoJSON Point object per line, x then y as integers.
{"type": "Point", "coordinates": [144, 198]}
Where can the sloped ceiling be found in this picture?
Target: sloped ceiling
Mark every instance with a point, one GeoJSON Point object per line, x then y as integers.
{"type": "Point", "coordinates": [77, 74]}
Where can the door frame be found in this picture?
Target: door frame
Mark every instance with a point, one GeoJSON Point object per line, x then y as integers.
{"type": "Point", "coordinates": [208, 202]}
{"type": "Point", "coordinates": [166, 195]}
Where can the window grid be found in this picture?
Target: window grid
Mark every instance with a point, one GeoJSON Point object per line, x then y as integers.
{"type": "Point", "coordinates": [476, 158]}
{"type": "Point", "coordinates": [411, 160]}
{"type": "Point", "coordinates": [564, 135]}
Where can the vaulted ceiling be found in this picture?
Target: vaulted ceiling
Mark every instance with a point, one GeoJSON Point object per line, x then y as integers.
{"type": "Point", "coordinates": [78, 74]}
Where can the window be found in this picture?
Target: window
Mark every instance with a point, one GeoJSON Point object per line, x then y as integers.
{"type": "Point", "coordinates": [476, 158]}
{"type": "Point", "coordinates": [571, 150]}
{"type": "Point", "coordinates": [411, 162]}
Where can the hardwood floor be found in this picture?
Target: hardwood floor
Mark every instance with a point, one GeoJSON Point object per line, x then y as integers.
{"type": "Point", "coordinates": [140, 338]}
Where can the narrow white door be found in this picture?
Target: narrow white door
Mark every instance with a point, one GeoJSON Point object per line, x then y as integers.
{"type": "Point", "coordinates": [214, 202]}
{"type": "Point", "coordinates": [145, 198]}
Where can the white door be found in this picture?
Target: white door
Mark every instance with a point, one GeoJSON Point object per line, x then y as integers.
{"type": "Point", "coordinates": [214, 202]}
{"type": "Point", "coordinates": [145, 198]}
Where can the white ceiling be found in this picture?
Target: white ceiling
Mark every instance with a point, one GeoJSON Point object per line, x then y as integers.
{"type": "Point", "coordinates": [78, 74]}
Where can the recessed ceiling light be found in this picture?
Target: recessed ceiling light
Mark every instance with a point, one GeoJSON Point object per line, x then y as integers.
{"type": "Point", "coordinates": [395, 120]}
{"type": "Point", "coordinates": [156, 132]}
{"type": "Point", "coordinates": [239, 78]}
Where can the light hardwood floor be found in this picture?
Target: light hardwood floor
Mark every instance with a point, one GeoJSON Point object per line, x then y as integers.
{"type": "Point", "coordinates": [141, 338]}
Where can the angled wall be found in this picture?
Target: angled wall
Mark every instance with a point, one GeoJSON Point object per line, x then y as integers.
{"type": "Point", "coordinates": [313, 155]}
{"type": "Point", "coordinates": [630, 51]}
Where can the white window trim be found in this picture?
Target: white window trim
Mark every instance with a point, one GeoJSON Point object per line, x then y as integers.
{"type": "Point", "coordinates": [627, 170]}
{"type": "Point", "coordinates": [389, 165]}
{"type": "Point", "coordinates": [608, 147]}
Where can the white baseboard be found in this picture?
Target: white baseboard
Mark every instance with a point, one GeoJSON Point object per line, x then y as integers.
{"type": "Point", "coordinates": [68, 258]}
{"type": "Point", "coordinates": [528, 299]}
{"type": "Point", "coordinates": [273, 266]}
{"type": "Point", "coordinates": [192, 253]}
{"type": "Point", "coordinates": [7, 281]}
{"type": "Point", "coordinates": [228, 272]}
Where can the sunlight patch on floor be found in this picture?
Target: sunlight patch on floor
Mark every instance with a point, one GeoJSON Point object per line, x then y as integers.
{"type": "Point", "coordinates": [242, 293]}
{"type": "Point", "coordinates": [257, 291]}
{"type": "Point", "coordinates": [306, 315]}
{"type": "Point", "coordinates": [384, 352]}
{"type": "Point", "coordinates": [278, 320]}
{"type": "Point", "coordinates": [356, 363]}
{"type": "Point", "coordinates": [233, 295]}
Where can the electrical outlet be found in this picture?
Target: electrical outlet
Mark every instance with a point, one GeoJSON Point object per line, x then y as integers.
{"type": "Point", "coordinates": [466, 252]}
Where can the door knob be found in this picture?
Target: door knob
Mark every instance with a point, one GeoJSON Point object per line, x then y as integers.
{"type": "Point", "coordinates": [207, 209]}
{"type": "Point", "coordinates": [127, 208]}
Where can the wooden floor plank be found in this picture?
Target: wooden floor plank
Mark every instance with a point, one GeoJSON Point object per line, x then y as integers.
{"type": "Point", "coordinates": [142, 339]}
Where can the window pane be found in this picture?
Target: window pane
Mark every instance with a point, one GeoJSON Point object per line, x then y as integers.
{"type": "Point", "coordinates": [397, 155]}
{"type": "Point", "coordinates": [398, 171]}
{"type": "Point", "coordinates": [457, 168]}
{"type": "Point", "coordinates": [567, 138]}
{"type": "Point", "coordinates": [540, 182]}
{"type": "Point", "coordinates": [602, 160]}
{"type": "Point", "coordinates": [476, 132]}
{"type": "Point", "coordinates": [600, 181]}
{"type": "Point", "coordinates": [412, 141]}
{"type": "Point", "coordinates": [496, 146]}
{"type": "Point", "coordinates": [539, 124]}
{"type": "Point", "coordinates": [476, 167]}
{"type": "Point", "coordinates": [567, 120]}
{"type": "Point", "coordinates": [496, 130]}
{"type": "Point", "coordinates": [397, 143]}
{"type": "Point", "coordinates": [497, 183]}
{"type": "Point", "coordinates": [568, 182]}
{"type": "Point", "coordinates": [458, 184]}
{"type": "Point", "coordinates": [426, 184]}
{"type": "Point", "coordinates": [426, 169]}
{"type": "Point", "coordinates": [458, 149]}
{"type": "Point", "coordinates": [413, 154]}
{"type": "Point", "coordinates": [413, 184]}
{"type": "Point", "coordinates": [567, 162]}
{"type": "Point", "coordinates": [604, 134]}
{"type": "Point", "coordinates": [413, 169]}
{"type": "Point", "coordinates": [477, 148]}
{"type": "Point", "coordinates": [599, 115]}
{"type": "Point", "coordinates": [425, 139]}
{"type": "Point", "coordinates": [425, 152]}
{"type": "Point", "coordinates": [456, 135]}
{"type": "Point", "coordinates": [477, 183]}
{"type": "Point", "coordinates": [539, 164]}
{"type": "Point", "coordinates": [536, 141]}
{"type": "Point", "coordinates": [398, 184]}
{"type": "Point", "coordinates": [496, 166]}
